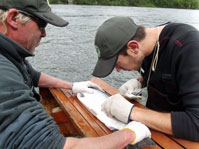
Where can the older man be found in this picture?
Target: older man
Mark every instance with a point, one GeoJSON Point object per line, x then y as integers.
{"type": "Point", "coordinates": [167, 58]}
{"type": "Point", "coordinates": [23, 121]}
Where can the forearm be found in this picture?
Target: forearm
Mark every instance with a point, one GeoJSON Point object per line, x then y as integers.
{"type": "Point", "coordinates": [155, 120]}
{"type": "Point", "coordinates": [116, 140]}
{"type": "Point", "coordinates": [50, 82]}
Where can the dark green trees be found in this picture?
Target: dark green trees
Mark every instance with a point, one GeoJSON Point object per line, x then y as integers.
{"type": "Point", "coordinates": [186, 4]}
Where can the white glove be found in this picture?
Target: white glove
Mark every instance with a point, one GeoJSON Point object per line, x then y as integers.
{"type": "Point", "coordinates": [140, 130]}
{"type": "Point", "coordinates": [132, 86]}
{"type": "Point", "coordinates": [79, 87]}
{"type": "Point", "coordinates": [118, 107]}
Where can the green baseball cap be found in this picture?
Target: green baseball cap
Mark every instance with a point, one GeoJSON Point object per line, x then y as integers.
{"type": "Point", "coordinates": [38, 8]}
{"type": "Point", "coordinates": [110, 38]}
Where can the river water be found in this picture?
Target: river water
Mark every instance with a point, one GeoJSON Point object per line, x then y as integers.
{"type": "Point", "coordinates": [69, 53]}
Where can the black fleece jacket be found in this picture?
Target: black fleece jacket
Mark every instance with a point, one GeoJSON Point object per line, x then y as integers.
{"type": "Point", "coordinates": [177, 77]}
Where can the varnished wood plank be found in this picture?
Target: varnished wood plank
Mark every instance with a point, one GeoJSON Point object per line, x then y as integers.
{"type": "Point", "coordinates": [60, 117]}
{"type": "Point", "coordinates": [88, 117]}
{"type": "Point", "coordinates": [77, 119]}
{"type": "Point", "coordinates": [45, 93]}
{"type": "Point", "coordinates": [64, 123]}
{"type": "Point", "coordinates": [87, 113]}
{"type": "Point", "coordinates": [48, 101]}
{"type": "Point", "coordinates": [187, 144]}
{"type": "Point", "coordinates": [98, 122]}
{"type": "Point", "coordinates": [152, 147]}
{"type": "Point", "coordinates": [105, 86]}
{"type": "Point", "coordinates": [164, 141]}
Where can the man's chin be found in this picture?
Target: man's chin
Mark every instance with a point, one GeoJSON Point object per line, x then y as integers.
{"type": "Point", "coordinates": [32, 50]}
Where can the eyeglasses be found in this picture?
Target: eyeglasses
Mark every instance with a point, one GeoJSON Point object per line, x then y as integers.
{"type": "Point", "coordinates": [41, 24]}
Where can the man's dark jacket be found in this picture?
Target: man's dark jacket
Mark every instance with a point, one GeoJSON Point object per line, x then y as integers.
{"type": "Point", "coordinates": [23, 121]}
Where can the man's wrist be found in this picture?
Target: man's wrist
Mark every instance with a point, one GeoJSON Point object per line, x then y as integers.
{"type": "Point", "coordinates": [129, 117]}
{"type": "Point", "coordinates": [133, 115]}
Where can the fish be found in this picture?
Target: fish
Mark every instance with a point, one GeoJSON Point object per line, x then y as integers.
{"type": "Point", "coordinates": [94, 101]}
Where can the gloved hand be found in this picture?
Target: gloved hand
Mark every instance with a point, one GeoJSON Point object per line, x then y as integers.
{"type": "Point", "coordinates": [141, 131]}
{"type": "Point", "coordinates": [117, 106]}
{"type": "Point", "coordinates": [79, 87]}
{"type": "Point", "coordinates": [132, 86]}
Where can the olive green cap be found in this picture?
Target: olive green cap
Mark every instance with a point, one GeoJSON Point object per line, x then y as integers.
{"type": "Point", "coordinates": [110, 38]}
{"type": "Point", "coordinates": [38, 8]}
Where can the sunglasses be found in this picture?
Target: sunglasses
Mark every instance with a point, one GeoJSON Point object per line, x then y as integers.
{"type": "Point", "coordinates": [41, 24]}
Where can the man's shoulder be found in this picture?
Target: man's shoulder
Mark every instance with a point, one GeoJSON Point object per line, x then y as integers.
{"type": "Point", "coordinates": [179, 31]}
{"type": "Point", "coordinates": [8, 69]}
{"type": "Point", "coordinates": [180, 27]}
{"type": "Point", "coordinates": [6, 63]}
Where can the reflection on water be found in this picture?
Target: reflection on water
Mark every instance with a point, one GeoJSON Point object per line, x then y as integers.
{"type": "Point", "coordinates": [68, 53]}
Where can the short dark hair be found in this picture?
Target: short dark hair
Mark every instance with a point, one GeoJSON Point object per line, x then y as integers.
{"type": "Point", "coordinates": [140, 35]}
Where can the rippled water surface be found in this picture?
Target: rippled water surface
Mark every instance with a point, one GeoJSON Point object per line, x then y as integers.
{"type": "Point", "coordinates": [69, 53]}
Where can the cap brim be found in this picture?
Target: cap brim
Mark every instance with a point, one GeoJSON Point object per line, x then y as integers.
{"type": "Point", "coordinates": [48, 17]}
{"type": "Point", "coordinates": [51, 18]}
{"type": "Point", "coordinates": [104, 67]}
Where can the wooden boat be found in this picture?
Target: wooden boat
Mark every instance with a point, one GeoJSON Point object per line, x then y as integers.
{"type": "Point", "coordinates": [74, 119]}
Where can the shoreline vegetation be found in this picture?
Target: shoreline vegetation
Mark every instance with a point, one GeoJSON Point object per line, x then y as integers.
{"type": "Point", "coordinates": [184, 4]}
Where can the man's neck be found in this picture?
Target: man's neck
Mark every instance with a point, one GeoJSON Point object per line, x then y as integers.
{"type": "Point", "coordinates": [152, 36]}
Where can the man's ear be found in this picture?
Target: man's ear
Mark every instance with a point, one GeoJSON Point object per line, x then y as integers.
{"type": "Point", "coordinates": [133, 46]}
{"type": "Point", "coordinates": [12, 18]}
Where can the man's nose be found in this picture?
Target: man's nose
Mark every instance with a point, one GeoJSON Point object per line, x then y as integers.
{"type": "Point", "coordinates": [43, 33]}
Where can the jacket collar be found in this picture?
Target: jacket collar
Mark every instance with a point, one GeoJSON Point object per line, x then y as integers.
{"type": "Point", "coordinates": [13, 48]}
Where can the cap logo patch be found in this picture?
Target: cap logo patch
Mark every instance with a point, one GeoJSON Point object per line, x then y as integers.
{"type": "Point", "coordinates": [48, 3]}
{"type": "Point", "coordinates": [98, 51]}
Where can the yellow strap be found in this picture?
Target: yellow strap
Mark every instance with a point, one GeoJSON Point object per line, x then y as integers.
{"type": "Point", "coordinates": [133, 142]}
